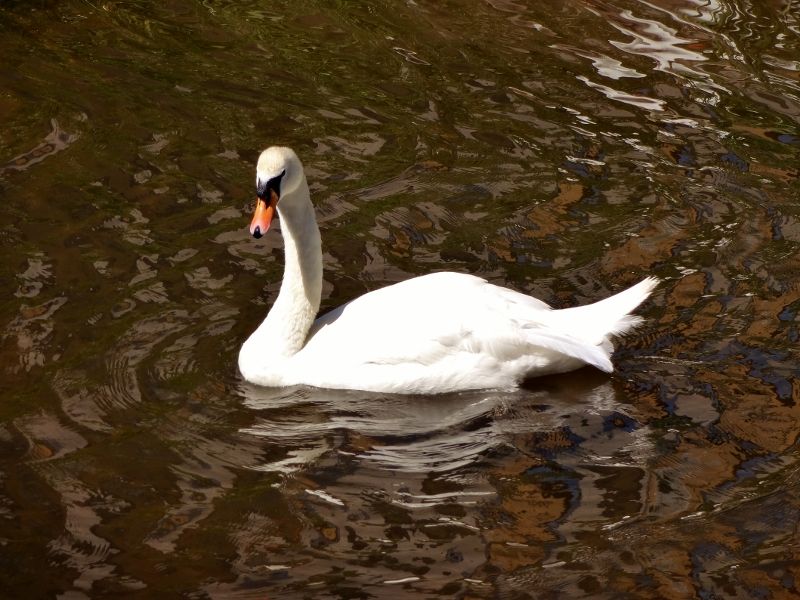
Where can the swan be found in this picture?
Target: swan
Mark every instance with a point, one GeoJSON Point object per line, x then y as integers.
{"type": "Point", "coordinates": [437, 333]}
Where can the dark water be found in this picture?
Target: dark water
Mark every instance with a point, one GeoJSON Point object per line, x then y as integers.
{"type": "Point", "coordinates": [563, 149]}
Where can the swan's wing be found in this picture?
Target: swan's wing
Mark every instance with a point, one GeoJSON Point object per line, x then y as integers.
{"type": "Point", "coordinates": [426, 319]}
{"type": "Point", "coordinates": [412, 321]}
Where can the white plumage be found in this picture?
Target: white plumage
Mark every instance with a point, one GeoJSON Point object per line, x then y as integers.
{"type": "Point", "coordinates": [437, 333]}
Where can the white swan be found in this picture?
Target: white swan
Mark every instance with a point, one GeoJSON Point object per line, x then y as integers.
{"type": "Point", "coordinates": [436, 333]}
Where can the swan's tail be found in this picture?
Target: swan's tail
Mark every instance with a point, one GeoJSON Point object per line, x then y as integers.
{"type": "Point", "coordinates": [597, 322]}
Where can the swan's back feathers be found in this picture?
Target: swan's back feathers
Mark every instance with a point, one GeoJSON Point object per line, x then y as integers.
{"type": "Point", "coordinates": [606, 318]}
{"type": "Point", "coordinates": [480, 331]}
{"type": "Point", "coordinates": [597, 356]}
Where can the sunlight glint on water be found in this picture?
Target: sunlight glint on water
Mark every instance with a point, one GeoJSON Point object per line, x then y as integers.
{"type": "Point", "coordinates": [562, 150]}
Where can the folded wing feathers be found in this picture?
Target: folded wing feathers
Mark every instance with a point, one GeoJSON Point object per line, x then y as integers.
{"type": "Point", "coordinates": [582, 332]}
{"type": "Point", "coordinates": [608, 317]}
{"type": "Point", "coordinates": [625, 301]}
{"type": "Point", "coordinates": [569, 346]}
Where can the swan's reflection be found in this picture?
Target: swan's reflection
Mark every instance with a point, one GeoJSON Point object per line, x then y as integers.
{"type": "Point", "coordinates": [422, 434]}
{"type": "Point", "coordinates": [456, 478]}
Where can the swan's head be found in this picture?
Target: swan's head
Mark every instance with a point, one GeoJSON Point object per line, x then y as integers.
{"type": "Point", "coordinates": [278, 173]}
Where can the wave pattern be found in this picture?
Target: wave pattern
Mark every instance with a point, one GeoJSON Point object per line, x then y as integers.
{"type": "Point", "coordinates": [562, 149]}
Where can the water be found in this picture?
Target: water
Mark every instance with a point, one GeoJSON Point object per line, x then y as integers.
{"type": "Point", "coordinates": [565, 151]}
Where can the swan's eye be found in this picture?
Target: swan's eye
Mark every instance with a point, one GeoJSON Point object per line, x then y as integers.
{"type": "Point", "coordinates": [263, 188]}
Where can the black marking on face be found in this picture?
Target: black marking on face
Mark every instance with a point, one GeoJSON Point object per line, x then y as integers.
{"type": "Point", "coordinates": [263, 188]}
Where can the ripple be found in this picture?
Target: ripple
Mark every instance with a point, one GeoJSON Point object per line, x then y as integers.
{"type": "Point", "coordinates": [56, 141]}
{"type": "Point", "coordinates": [48, 439]}
{"type": "Point", "coordinates": [559, 148]}
{"type": "Point", "coordinates": [88, 402]}
{"type": "Point", "coordinates": [32, 329]}
{"type": "Point", "coordinates": [639, 101]}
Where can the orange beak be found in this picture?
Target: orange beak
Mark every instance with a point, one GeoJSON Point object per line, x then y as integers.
{"type": "Point", "coordinates": [263, 216]}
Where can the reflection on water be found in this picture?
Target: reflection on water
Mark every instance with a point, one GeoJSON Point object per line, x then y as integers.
{"type": "Point", "coordinates": [565, 151]}
{"type": "Point", "coordinates": [454, 478]}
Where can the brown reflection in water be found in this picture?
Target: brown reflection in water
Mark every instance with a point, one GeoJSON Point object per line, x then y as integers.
{"type": "Point", "coordinates": [56, 141]}
{"type": "Point", "coordinates": [565, 150]}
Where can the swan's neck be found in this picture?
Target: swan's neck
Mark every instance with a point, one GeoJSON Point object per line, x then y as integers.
{"type": "Point", "coordinates": [283, 333]}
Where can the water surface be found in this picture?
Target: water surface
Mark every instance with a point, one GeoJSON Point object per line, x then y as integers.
{"type": "Point", "coordinates": [565, 151]}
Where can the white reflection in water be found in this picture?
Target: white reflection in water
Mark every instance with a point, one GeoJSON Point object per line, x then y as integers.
{"type": "Point", "coordinates": [657, 41]}
{"type": "Point", "coordinates": [653, 104]}
{"type": "Point", "coordinates": [418, 434]}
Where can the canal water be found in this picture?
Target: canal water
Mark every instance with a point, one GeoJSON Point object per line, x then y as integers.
{"type": "Point", "coordinates": [563, 149]}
